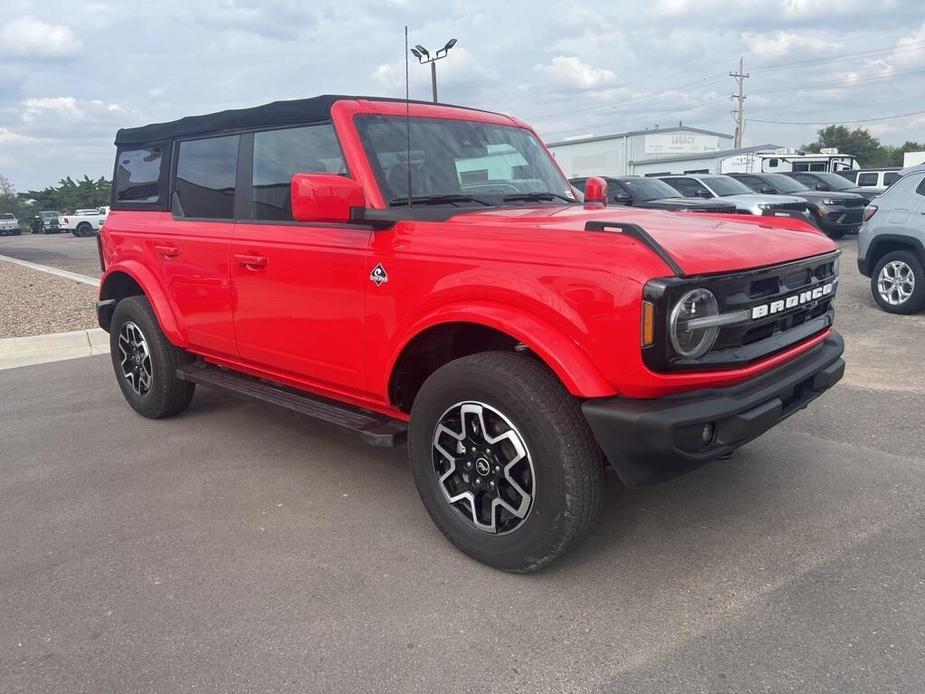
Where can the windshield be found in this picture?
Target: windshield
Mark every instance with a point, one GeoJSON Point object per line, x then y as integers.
{"type": "Point", "coordinates": [835, 181]}
{"type": "Point", "coordinates": [47, 215]}
{"type": "Point", "coordinates": [723, 186]}
{"type": "Point", "coordinates": [472, 163]}
{"type": "Point", "coordinates": [649, 188]}
{"type": "Point", "coordinates": [785, 184]}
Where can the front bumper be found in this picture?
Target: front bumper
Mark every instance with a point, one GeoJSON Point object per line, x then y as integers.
{"type": "Point", "coordinates": [840, 218]}
{"type": "Point", "coordinates": [650, 441]}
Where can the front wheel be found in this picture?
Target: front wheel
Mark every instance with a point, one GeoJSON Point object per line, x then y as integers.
{"type": "Point", "coordinates": [504, 460]}
{"type": "Point", "coordinates": [898, 283]}
{"type": "Point", "coordinates": [145, 362]}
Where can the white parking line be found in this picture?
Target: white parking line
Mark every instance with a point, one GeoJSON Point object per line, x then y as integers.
{"type": "Point", "coordinates": [85, 279]}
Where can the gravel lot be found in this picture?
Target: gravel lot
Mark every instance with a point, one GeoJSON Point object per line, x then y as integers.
{"type": "Point", "coordinates": [35, 303]}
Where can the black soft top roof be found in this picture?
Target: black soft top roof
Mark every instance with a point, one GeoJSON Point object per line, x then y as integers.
{"type": "Point", "coordinates": [291, 112]}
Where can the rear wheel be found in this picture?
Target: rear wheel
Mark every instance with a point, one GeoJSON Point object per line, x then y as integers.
{"type": "Point", "coordinates": [898, 283]}
{"type": "Point", "coordinates": [83, 230]}
{"type": "Point", "coordinates": [504, 461]}
{"type": "Point", "coordinates": [145, 362]}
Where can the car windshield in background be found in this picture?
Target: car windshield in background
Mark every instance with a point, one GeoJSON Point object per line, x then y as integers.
{"type": "Point", "coordinates": [835, 181]}
{"type": "Point", "coordinates": [722, 186]}
{"type": "Point", "coordinates": [785, 184]}
{"type": "Point", "coordinates": [649, 188]}
{"type": "Point", "coordinates": [460, 163]}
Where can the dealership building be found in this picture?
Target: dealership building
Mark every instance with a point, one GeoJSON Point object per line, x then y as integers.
{"type": "Point", "coordinates": [683, 150]}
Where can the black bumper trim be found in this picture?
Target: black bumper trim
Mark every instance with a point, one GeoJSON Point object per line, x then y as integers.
{"type": "Point", "coordinates": [651, 441]}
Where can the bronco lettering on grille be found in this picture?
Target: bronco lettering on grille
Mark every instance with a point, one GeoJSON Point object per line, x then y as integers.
{"type": "Point", "coordinates": [792, 301]}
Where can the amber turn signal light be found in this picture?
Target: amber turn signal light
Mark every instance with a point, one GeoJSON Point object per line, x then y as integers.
{"type": "Point", "coordinates": [648, 324]}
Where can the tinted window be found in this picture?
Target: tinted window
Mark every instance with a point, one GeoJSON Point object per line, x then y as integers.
{"type": "Point", "coordinates": [808, 181]}
{"type": "Point", "coordinates": [752, 182]}
{"type": "Point", "coordinates": [649, 188]}
{"type": "Point", "coordinates": [205, 178]}
{"type": "Point", "coordinates": [867, 179]}
{"type": "Point", "coordinates": [137, 174]}
{"type": "Point", "coordinates": [921, 187]}
{"type": "Point", "coordinates": [890, 177]}
{"type": "Point", "coordinates": [849, 175]}
{"type": "Point", "coordinates": [784, 184]}
{"type": "Point", "coordinates": [723, 185]}
{"type": "Point", "coordinates": [688, 187]}
{"type": "Point", "coordinates": [834, 180]}
{"type": "Point", "coordinates": [579, 183]}
{"type": "Point", "coordinates": [278, 154]}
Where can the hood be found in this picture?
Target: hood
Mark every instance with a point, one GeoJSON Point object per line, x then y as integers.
{"type": "Point", "coordinates": [815, 195]}
{"type": "Point", "coordinates": [763, 198]}
{"type": "Point", "coordinates": [686, 204]}
{"type": "Point", "coordinates": [700, 244]}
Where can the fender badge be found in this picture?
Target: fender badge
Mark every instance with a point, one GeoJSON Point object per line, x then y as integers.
{"type": "Point", "coordinates": [379, 275]}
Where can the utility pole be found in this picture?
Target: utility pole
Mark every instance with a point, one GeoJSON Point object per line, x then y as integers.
{"type": "Point", "coordinates": [739, 114]}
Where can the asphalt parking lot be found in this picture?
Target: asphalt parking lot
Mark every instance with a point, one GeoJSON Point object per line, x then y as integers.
{"type": "Point", "coordinates": [63, 251]}
{"type": "Point", "coordinates": [241, 548]}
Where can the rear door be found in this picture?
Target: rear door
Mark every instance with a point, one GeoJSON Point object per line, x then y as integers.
{"type": "Point", "coordinates": [299, 287]}
{"type": "Point", "coordinates": [191, 251]}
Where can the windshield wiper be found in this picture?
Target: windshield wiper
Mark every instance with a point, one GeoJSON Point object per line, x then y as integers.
{"type": "Point", "coordinates": [437, 199]}
{"type": "Point", "coordinates": [536, 196]}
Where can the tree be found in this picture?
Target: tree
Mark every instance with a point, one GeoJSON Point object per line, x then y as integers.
{"type": "Point", "coordinates": [865, 147]}
{"type": "Point", "coordinates": [11, 202]}
{"type": "Point", "coordinates": [70, 195]}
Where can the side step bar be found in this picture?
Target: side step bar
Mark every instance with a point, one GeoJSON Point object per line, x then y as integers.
{"type": "Point", "coordinates": [375, 429]}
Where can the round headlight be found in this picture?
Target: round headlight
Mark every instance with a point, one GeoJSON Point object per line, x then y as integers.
{"type": "Point", "coordinates": [688, 339]}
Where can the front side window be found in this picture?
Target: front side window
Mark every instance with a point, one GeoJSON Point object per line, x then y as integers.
{"type": "Point", "coordinates": [486, 163]}
{"type": "Point", "coordinates": [205, 178]}
{"type": "Point", "coordinates": [689, 187]}
{"type": "Point", "coordinates": [753, 182]}
{"type": "Point", "coordinates": [138, 173]}
{"type": "Point", "coordinates": [278, 154]}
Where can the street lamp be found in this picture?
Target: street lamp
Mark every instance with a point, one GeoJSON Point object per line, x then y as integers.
{"type": "Point", "coordinates": [424, 57]}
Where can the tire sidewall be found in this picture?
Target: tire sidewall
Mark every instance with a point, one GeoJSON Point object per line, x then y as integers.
{"type": "Point", "coordinates": [915, 302]}
{"type": "Point", "coordinates": [541, 530]}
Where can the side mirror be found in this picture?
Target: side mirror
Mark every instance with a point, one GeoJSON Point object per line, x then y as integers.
{"type": "Point", "coordinates": [324, 197]}
{"type": "Point", "coordinates": [823, 186]}
{"type": "Point", "coordinates": [701, 193]}
{"type": "Point", "coordinates": [768, 190]}
{"type": "Point", "coordinates": [596, 190]}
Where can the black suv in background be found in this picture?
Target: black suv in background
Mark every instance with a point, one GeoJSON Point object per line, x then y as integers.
{"type": "Point", "coordinates": [46, 222]}
{"type": "Point", "coordinates": [654, 194]}
{"type": "Point", "coordinates": [827, 181]}
{"type": "Point", "coordinates": [835, 212]}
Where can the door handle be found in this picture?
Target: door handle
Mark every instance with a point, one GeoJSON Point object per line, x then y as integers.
{"type": "Point", "coordinates": [252, 261]}
{"type": "Point", "coordinates": [167, 251]}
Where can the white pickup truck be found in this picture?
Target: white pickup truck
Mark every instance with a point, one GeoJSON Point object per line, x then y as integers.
{"type": "Point", "coordinates": [86, 222]}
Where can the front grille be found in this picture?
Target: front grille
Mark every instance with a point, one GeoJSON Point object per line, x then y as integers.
{"type": "Point", "coordinates": [717, 210]}
{"type": "Point", "coordinates": [852, 202]}
{"type": "Point", "coordinates": [796, 206]}
{"type": "Point", "coordinates": [763, 296]}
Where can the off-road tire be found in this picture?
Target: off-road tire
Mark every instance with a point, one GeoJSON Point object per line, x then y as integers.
{"type": "Point", "coordinates": [168, 395]}
{"type": "Point", "coordinates": [916, 302]}
{"type": "Point", "coordinates": [567, 461]}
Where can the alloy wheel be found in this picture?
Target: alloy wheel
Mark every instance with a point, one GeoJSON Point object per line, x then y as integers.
{"type": "Point", "coordinates": [135, 358]}
{"type": "Point", "coordinates": [483, 467]}
{"type": "Point", "coordinates": [896, 282]}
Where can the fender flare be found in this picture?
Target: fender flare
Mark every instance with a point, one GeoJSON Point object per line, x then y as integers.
{"type": "Point", "coordinates": [560, 353]}
{"type": "Point", "coordinates": [160, 302]}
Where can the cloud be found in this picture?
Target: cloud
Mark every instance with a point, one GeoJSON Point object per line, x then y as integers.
{"type": "Point", "coordinates": [790, 43]}
{"type": "Point", "coordinates": [28, 37]}
{"type": "Point", "coordinates": [284, 20]}
{"type": "Point", "coordinates": [571, 73]}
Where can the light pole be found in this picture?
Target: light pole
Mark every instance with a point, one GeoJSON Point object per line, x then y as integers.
{"type": "Point", "coordinates": [424, 57]}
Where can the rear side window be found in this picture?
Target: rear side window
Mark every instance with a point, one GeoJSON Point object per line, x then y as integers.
{"type": "Point", "coordinates": [205, 178]}
{"type": "Point", "coordinates": [890, 177]}
{"type": "Point", "coordinates": [139, 173]}
{"type": "Point", "coordinates": [850, 175]}
{"type": "Point", "coordinates": [867, 179]}
{"type": "Point", "coordinates": [278, 154]}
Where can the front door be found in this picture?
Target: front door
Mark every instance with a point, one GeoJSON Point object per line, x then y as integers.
{"type": "Point", "coordinates": [299, 287]}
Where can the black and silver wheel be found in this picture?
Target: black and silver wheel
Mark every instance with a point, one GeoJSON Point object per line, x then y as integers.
{"type": "Point", "coordinates": [145, 363]}
{"type": "Point", "coordinates": [504, 461]}
{"type": "Point", "coordinates": [898, 283]}
{"type": "Point", "coordinates": [83, 230]}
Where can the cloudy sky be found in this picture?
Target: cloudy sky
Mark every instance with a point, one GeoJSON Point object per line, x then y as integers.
{"type": "Point", "coordinates": [71, 73]}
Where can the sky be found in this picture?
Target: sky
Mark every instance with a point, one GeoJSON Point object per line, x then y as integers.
{"type": "Point", "coordinates": [72, 73]}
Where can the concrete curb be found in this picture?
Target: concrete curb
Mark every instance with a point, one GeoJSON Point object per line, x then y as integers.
{"type": "Point", "coordinates": [42, 349]}
{"type": "Point", "coordinates": [83, 279]}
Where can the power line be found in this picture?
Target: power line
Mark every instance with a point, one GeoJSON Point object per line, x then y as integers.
{"type": "Point", "coordinates": [837, 121]}
{"type": "Point", "coordinates": [917, 46]}
{"type": "Point", "coordinates": [850, 80]}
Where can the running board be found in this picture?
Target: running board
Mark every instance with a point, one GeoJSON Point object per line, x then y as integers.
{"type": "Point", "coordinates": [375, 429]}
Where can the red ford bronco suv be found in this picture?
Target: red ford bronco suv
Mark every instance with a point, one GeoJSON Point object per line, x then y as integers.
{"type": "Point", "coordinates": [402, 269]}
